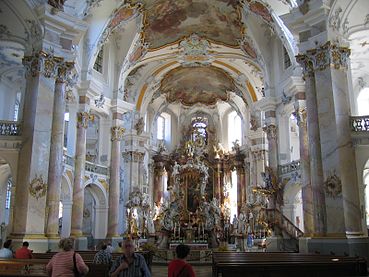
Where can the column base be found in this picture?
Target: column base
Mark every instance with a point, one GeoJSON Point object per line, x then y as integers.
{"type": "Point", "coordinates": [115, 240]}
{"type": "Point", "coordinates": [80, 243]}
{"type": "Point", "coordinates": [338, 246]}
{"type": "Point", "coordinates": [37, 242]}
{"type": "Point", "coordinates": [274, 244]}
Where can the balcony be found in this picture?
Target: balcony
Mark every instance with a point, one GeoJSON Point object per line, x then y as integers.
{"type": "Point", "coordinates": [360, 129]}
{"type": "Point", "coordinates": [10, 128]}
{"type": "Point", "coordinates": [89, 166]}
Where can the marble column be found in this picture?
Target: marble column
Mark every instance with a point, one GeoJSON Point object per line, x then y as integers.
{"type": "Point", "coordinates": [218, 181]}
{"type": "Point", "coordinates": [338, 155]}
{"type": "Point", "coordinates": [307, 191]}
{"type": "Point", "coordinates": [56, 151]}
{"type": "Point", "coordinates": [158, 192]}
{"type": "Point", "coordinates": [114, 189]}
{"type": "Point", "coordinates": [316, 167]}
{"type": "Point", "coordinates": [79, 174]}
{"type": "Point", "coordinates": [271, 131]}
{"type": "Point", "coordinates": [241, 186]}
{"type": "Point", "coordinates": [33, 162]}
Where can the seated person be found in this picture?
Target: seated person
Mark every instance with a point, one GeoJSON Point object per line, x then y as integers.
{"type": "Point", "coordinates": [24, 252]}
{"type": "Point", "coordinates": [103, 256]}
{"type": "Point", "coordinates": [5, 252]}
{"type": "Point", "coordinates": [179, 267]}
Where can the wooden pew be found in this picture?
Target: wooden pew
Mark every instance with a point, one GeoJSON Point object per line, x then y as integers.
{"type": "Point", "coordinates": [233, 264]}
{"type": "Point", "coordinates": [23, 267]}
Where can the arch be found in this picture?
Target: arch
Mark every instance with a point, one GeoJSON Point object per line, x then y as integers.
{"type": "Point", "coordinates": [292, 204]}
{"type": "Point", "coordinates": [99, 211]}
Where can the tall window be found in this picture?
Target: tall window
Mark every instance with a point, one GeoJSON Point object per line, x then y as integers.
{"type": "Point", "coordinates": [17, 106]}
{"type": "Point", "coordinates": [98, 66]}
{"type": "Point", "coordinates": [163, 127]}
{"type": "Point", "coordinates": [363, 102]}
{"type": "Point", "coordinates": [8, 194]}
{"type": "Point", "coordinates": [66, 123]}
{"type": "Point", "coordinates": [286, 58]}
{"type": "Point", "coordinates": [160, 128]}
{"type": "Point", "coordinates": [234, 128]}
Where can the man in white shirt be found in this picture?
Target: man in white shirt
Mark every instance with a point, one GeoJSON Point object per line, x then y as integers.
{"type": "Point", "coordinates": [5, 252]}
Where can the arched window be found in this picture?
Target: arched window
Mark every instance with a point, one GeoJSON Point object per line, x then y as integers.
{"type": "Point", "coordinates": [199, 126]}
{"type": "Point", "coordinates": [363, 102]}
{"type": "Point", "coordinates": [160, 128]}
{"type": "Point", "coordinates": [234, 128]}
{"type": "Point", "coordinates": [233, 193]}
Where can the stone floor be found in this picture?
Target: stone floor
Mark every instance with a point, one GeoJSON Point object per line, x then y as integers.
{"type": "Point", "coordinates": [162, 270]}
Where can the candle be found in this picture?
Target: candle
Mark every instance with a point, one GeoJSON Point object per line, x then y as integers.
{"type": "Point", "coordinates": [179, 231]}
{"type": "Point", "coordinates": [203, 231]}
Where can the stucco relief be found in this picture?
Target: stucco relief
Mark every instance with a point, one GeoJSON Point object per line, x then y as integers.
{"type": "Point", "coordinates": [333, 186]}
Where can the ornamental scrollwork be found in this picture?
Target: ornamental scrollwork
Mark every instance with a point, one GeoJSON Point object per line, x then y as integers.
{"type": "Point", "coordinates": [83, 118]}
{"type": "Point", "coordinates": [37, 187]}
{"type": "Point", "coordinates": [333, 186]}
{"type": "Point", "coordinates": [117, 133]}
{"type": "Point", "coordinates": [328, 55]}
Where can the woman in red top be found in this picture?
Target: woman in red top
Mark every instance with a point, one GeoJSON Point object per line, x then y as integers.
{"type": "Point", "coordinates": [179, 267]}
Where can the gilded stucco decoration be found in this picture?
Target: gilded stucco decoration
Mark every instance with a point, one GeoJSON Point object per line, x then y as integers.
{"type": "Point", "coordinates": [193, 85]}
{"type": "Point", "coordinates": [37, 187]}
{"type": "Point", "coordinates": [83, 118]}
{"type": "Point", "coordinates": [117, 133]}
{"type": "Point", "coordinates": [195, 51]}
{"type": "Point", "coordinates": [333, 186]}
{"type": "Point", "coordinates": [166, 22]}
{"type": "Point", "coordinates": [323, 57]}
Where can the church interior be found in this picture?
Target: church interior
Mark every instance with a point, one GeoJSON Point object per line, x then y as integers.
{"type": "Point", "coordinates": [223, 124]}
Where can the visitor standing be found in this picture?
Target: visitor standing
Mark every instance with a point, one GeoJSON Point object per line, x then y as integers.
{"type": "Point", "coordinates": [67, 261]}
{"type": "Point", "coordinates": [179, 267]}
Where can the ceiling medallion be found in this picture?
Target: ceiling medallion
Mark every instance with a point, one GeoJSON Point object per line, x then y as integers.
{"type": "Point", "coordinates": [194, 51]}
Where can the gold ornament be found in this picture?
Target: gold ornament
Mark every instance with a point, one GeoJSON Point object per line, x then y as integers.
{"type": "Point", "coordinates": [37, 187]}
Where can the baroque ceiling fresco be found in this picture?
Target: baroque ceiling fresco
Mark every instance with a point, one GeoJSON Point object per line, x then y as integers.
{"type": "Point", "coordinates": [166, 22]}
{"type": "Point", "coordinates": [191, 85]}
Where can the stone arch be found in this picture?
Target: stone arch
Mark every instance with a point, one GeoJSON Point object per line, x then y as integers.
{"type": "Point", "coordinates": [292, 202]}
{"type": "Point", "coordinates": [66, 198]}
{"type": "Point", "coordinates": [5, 211]}
{"type": "Point", "coordinates": [99, 208]}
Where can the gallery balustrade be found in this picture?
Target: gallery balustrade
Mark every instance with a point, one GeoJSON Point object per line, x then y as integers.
{"type": "Point", "coordinates": [10, 128]}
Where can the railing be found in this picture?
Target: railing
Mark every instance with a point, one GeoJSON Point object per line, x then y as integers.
{"type": "Point", "coordinates": [274, 216]}
{"type": "Point", "coordinates": [68, 160]}
{"type": "Point", "coordinates": [288, 168]}
{"type": "Point", "coordinates": [94, 168]}
{"type": "Point", "coordinates": [359, 123]}
{"type": "Point", "coordinates": [10, 128]}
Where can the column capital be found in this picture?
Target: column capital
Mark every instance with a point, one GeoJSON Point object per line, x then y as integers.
{"type": "Point", "coordinates": [300, 112]}
{"type": "Point", "coordinates": [117, 133]}
{"type": "Point", "coordinates": [42, 63]}
{"type": "Point", "coordinates": [64, 71]}
{"type": "Point", "coordinates": [271, 131]}
{"type": "Point", "coordinates": [327, 55]}
{"type": "Point", "coordinates": [83, 118]}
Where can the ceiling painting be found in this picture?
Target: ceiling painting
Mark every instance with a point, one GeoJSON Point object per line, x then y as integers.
{"type": "Point", "coordinates": [166, 22]}
{"type": "Point", "coordinates": [260, 9]}
{"type": "Point", "coordinates": [205, 85]}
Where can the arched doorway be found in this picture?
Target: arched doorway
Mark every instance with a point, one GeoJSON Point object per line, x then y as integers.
{"type": "Point", "coordinates": [95, 213]}
{"type": "Point", "coordinates": [6, 193]}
